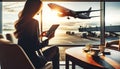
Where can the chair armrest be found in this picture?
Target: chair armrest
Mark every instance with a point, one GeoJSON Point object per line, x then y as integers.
{"type": "Point", "coordinates": [48, 65]}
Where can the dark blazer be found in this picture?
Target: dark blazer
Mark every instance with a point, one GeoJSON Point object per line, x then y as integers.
{"type": "Point", "coordinates": [29, 41]}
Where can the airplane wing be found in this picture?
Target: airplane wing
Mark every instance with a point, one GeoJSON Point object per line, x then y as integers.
{"type": "Point", "coordinates": [86, 11]}
{"type": "Point", "coordinates": [94, 16]}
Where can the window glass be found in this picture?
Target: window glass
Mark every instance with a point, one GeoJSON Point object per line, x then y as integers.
{"type": "Point", "coordinates": [10, 12]}
{"type": "Point", "coordinates": [112, 21]}
{"type": "Point", "coordinates": [72, 30]}
{"type": "Point", "coordinates": [70, 21]}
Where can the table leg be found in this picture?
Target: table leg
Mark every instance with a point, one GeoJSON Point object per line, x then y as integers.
{"type": "Point", "coordinates": [67, 62]}
{"type": "Point", "coordinates": [73, 65]}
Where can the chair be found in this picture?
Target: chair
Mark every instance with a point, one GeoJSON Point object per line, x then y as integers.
{"type": "Point", "coordinates": [115, 44]}
{"type": "Point", "coordinates": [12, 56]}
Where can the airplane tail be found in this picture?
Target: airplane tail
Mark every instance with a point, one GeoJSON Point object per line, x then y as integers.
{"type": "Point", "coordinates": [89, 10]}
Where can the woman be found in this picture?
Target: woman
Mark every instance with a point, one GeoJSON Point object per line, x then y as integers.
{"type": "Point", "coordinates": [27, 32]}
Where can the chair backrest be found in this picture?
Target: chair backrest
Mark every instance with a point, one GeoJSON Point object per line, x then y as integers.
{"type": "Point", "coordinates": [115, 44]}
{"type": "Point", "coordinates": [12, 56]}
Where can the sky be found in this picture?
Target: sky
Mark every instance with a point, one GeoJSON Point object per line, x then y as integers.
{"type": "Point", "coordinates": [112, 13]}
{"type": "Point", "coordinates": [11, 9]}
{"type": "Point", "coordinates": [75, 6]}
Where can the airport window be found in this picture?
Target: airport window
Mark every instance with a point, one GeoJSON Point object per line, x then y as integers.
{"type": "Point", "coordinates": [73, 28]}
{"type": "Point", "coordinates": [10, 12]}
{"type": "Point", "coordinates": [70, 27]}
{"type": "Point", "coordinates": [72, 23]}
{"type": "Point", "coordinates": [112, 21]}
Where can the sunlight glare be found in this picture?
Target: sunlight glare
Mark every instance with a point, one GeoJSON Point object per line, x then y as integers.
{"type": "Point", "coordinates": [37, 17]}
{"type": "Point", "coordinates": [51, 17]}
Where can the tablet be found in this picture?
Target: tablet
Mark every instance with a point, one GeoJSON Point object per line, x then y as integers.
{"type": "Point", "coordinates": [52, 28]}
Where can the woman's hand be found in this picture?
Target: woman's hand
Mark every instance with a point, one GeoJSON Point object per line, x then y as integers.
{"type": "Point", "coordinates": [51, 35]}
{"type": "Point", "coordinates": [43, 34]}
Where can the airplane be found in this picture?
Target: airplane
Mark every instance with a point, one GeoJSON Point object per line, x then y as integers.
{"type": "Point", "coordinates": [62, 12]}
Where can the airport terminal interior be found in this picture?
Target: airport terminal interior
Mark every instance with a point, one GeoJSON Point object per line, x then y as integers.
{"type": "Point", "coordinates": [83, 27]}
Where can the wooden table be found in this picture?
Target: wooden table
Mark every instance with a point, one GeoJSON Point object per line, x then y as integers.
{"type": "Point", "coordinates": [79, 57]}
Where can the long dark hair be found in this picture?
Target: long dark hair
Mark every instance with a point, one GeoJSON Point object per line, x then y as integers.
{"type": "Point", "coordinates": [31, 7]}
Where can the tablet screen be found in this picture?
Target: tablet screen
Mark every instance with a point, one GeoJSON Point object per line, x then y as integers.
{"type": "Point", "coordinates": [52, 28]}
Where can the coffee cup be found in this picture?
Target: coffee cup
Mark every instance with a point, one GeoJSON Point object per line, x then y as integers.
{"type": "Point", "coordinates": [95, 51]}
{"type": "Point", "coordinates": [88, 46]}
